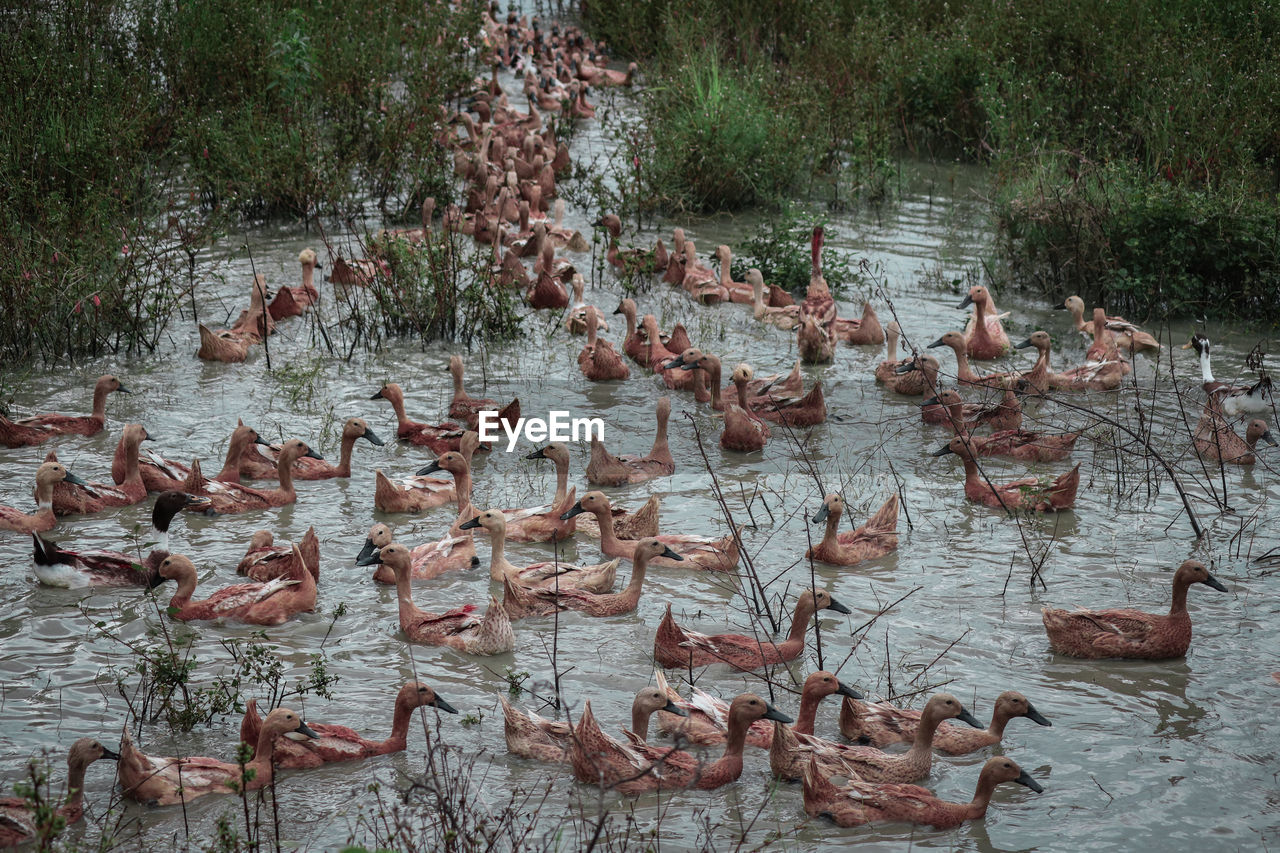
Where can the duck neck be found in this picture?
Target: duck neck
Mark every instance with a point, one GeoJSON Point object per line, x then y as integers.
{"type": "Point", "coordinates": [640, 722]}
{"type": "Point", "coordinates": [891, 341]}
{"type": "Point", "coordinates": [404, 597]}
{"type": "Point", "coordinates": [230, 472]}
{"type": "Point", "coordinates": [399, 730]}
{"type": "Point", "coordinates": [955, 412]}
{"type": "Point", "coordinates": [397, 405]}
{"type": "Point", "coordinates": [999, 719]}
{"type": "Point", "coordinates": [457, 383]}
{"type": "Point", "coordinates": [725, 280]}
{"type": "Point", "coordinates": [830, 537]}
{"type": "Point", "coordinates": [562, 482]}
{"type": "Point", "coordinates": [638, 569]}
{"type": "Point", "coordinates": [971, 472]}
{"type": "Point", "coordinates": [344, 456]}
{"type": "Point", "coordinates": [462, 484]}
{"type": "Point", "coordinates": [736, 739]}
{"type": "Point", "coordinates": [284, 470]}
{"type": "Point", "coordinates": [131, 472]}
{"type": "Point", "coordinates": [261, 763]}
{"type": "Point", "coordinates": [977, 807]}
{"type": "Point", "coordinates": [499, 565]}
{"type": "Point", "coordinates": [608, 537]}
{"type": "Point", "coordinates": [963, 371]}
{"type": "Point", "coordinates": [1077, 316]}
{"type": "Point", "coordinates": [1179, 597]}
{"type": "Point", "coordinates": [186, 589]}
{"type": "Point", "coordinates": [713, 379]}
{"type": "Point", "coordinates": [923, 743]}
{"type": "Point", "coordinates": [99, 404]}
{"type": "Point", "coordinates": [44, 498]}
{"type": "Point", "coordinates": [800, 621]}
{"type": "Point", "coordinates": [805, 718]}
{"type": "Point", "coordinates": [308, 274]}
{"type": "Point", "coordinates": [1206, 371]}
{"type": "Point", "coordinates": [742, 395]}
{"type": "Point", "coordinates": [660, 450]}
{"type": "Point", "coordinates": [75, 791]}
{"type": "Point", "coordinates": [630, 316]}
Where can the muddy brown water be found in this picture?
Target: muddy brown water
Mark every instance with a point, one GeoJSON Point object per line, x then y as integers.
{"type": "Point", "coordinates": [1140, 756]}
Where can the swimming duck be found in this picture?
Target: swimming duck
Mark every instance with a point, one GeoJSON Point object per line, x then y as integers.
{"type": "Point", "coordinates": [357, 272]}
{"type": "Point", "coordinates": [70, 499]}
{"type": "Point", "coordinates": [293, 301]}
{"type": "Point", "coordinates": [916, 377]}
{"type": "Point", "coordinates": [1235, 401]}
{"type": "Point", "coordinates": [1128, 337]}
{"type": "Point", "coordinates": [704, 718]}
{"type": "Point", "coordinates": [421, 491]}
{"type": "Point", "coordinates": [521, 601]}
{"type": "Point", "coordinates": [818, 305]}
{"type": "Point", "coordinates": [866, 330]}
{"type": "Point", "coordinates": [1015, 443]}
{"type": "Point", "coordinates": [1104, 371]}
{"type": "Point", "coordinates": [243, 460]}
{"type": "Point", "coordinates": [311, 468]}
{"type": "Point", "coordinates": [1007, 414]}
{"type": "Point", "coordinates": [340, 743]}
{"type": "Point", "coordinates": [636, 348]}
{"type": "Point", "coordinates": [1037, 379]}
{"type": "Point", "coordinates": [547, 291]}
{"type": "Point", "coordinates": [662, 351]}
{"type": "Point", "coordinates": [529, 735]}
{"type": "Point", "coordinates": [265, 561]}
{"type": "Point", "coordinates": [626, 525]}
{"type": "Point", "coordinates": [47, 476]}
{"type": "Point", "coordinates": [636, 767]}
{"type": "Point", "coordinates": [1215, 440]}
{"type": "Point", "coordinates": [439, 438]}
{"type": "Point", "coordinates": [456, 551]}
{"type": "Point", "coordinates": [677, 648]}
{"type": "Point", "coordinates": [1126, 633]}
{"type": "Point", "coordinates": [1103, 346]}
{"type": "Point", "coordinates": [879, 536]}
{"type": "Point", "coordinates": [791, 752]}
{"type": "Point", "coordinates": [55, 566]}
{"type": "Point", "coordinates": [271, 603]}
{"type": "Point", "coordinates": [605, 469]}
{"type": "Point", "coordinates": [859, 802]}
{"type": "Point", "coordinates": [785, 317]}
{"type": "Point", "coordinates": [18, 820]}
{"type": "Point", "coordinates": [965, 374]}
{"type": "Point", "coordinates": [984, 332]}
{"type": "Point", "coordinates": [599, 361]}
{"type": "Point", "coordinates": [569, 238]}
{"type": "Point", "coordinates": [547, 573]}
{"type": "Point", "coordinates": [254, 324]}
{"type": "Point", "coordinates": [543, 523]}
{"type": "Point", "coordinates": [458, 629]}
{"type": "Point", "coordinates": [38, 429]}
{"type": "Point", "coordinates": [1030, 493]}
{"type": "Point", "coordinates": [700, 282]}
{"type": "Point", "coordinates": [880, 724]}
{"type": "Point", "coordinates": [815, 343]}
{"type": "Point", "coordinates": [628, 261]}
{"type": "Point", "coordinates": [166, 781]}
{"type": "Point", "coordinates": [744, 431]}
{"type": "Point", "coordinates": [739, 291]}
{"type": "Point", "coordinates": [576, 323]}
{"type": "Point", "coordinates": [228, 498]}
{"type": "Point", "coordinates": [885, 370]}
{"type": "Point", "coordinates": [697, 552]}
{"type": "Point", "coordinates": [467, 409]}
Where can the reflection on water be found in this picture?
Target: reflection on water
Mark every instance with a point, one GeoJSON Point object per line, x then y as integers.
{"type": "Point", "coordinates": [1140, 755]}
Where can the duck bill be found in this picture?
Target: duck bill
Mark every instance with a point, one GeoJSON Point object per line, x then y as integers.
{"type": "Point", "coordinates": [905, 368]}
{"type": "Point", "coordinates": [670, 555]}
{"type": "Point", "coordinates": [845, 690]}
{"type": "Point", "coordinates": [373, 558]}
{"type": "Point", "coordinates": [1268, 438]}
{"type": "Point", "coordinates": [112, 754]}
{"type": "Point", "coordinates": [938, 343]}
{"type": "Point", "coordinates": [311, 454]}
{"type": "Point", "coordinates": [1215, 583]}
{"type": "Point", "coordinates": [838, 607]}
{"type": "Point", "coordinates": [1036, 717]}
{"type": "Point", "coordinates": [366, 552]}
{"type": "Point", "coordinates": [197, 501]}
{"type": "Point", "coordinates": [618, 310]}
{"type": "Point", "coordinates": [72, 478]}
{"type": "Point", "coordinates": [304, 729]}
{"type": "Point", "coordinates": [1026, 780]}
{"type": "Point", "coordinates": [932, 401]}
{"type": "Point", "coordinates": [147, 436]}
{"type": "Point", "coordinates": [537, 454]}
{"type": "Point", "coordinates": [821, 514]}
{"type": "Point", "coordinates": [372, 437]}
{"type": "Point", "coordinates": [1059, 306]}
{"type": "Point", "coordinates": [257, 439]}
{"type": "Point", "coordinates": [777, 716]}
{"type": "Point", "coordinates": [429, 469]}
{"type": "Point", "coordinates": [471, 524]}
{"type": "Point", "coordinates": [576, 509]}
{"type": "Point", "coordinates": [1024, 344]}
{"type": "Point", "coordinates": [942, 451]}
{"type": "Point", "coordinates": [444, 706]}
{"type": "Point", "coordinates": [376, 395]}
{"type": "Point", "coordinates": [673, 708]}
{"type": "Point", "coordinates": [965, 717]}
{"type": "Point", "coordinates": [124, 390]}
{"type": "Point", "coordinates": [966, 302]}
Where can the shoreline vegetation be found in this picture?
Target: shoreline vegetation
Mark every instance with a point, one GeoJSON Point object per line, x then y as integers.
{"type": "Point", "coordinates": [1135, 145]}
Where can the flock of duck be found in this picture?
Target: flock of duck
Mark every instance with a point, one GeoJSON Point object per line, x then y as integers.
{"type": "Point", "coordinates": [509, 160]}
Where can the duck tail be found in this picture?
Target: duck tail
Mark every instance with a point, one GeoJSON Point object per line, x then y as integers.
{"type": "Point", "coordinates": [1063, 493]}
{"type": "Point", "coordinates": [668, 640]}
{"type": "Point", "coordinates": [819, 793]}
{"type": "Point", "coordinates": [644, 521]}
{"type": "Point", "coordinates": [251, 723]}
{"type": "Point", "coordinates": [886, 518]}
{"type": "Point", "coordinates": [310, 549]}
{"type": "Point", "coordinates": [852, 713]}
{"type": "Point", "coordinates": [195, 484]}
{"type": "Point", "coordinates": [387, 496]}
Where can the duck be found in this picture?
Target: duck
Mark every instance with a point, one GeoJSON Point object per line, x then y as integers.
{"type": "Point", "coordinates": [547, 291]}
{"type": "Point", "coordinates": [456, 551]}
{"type": "Point", "coordinates": [48, 475]}
{"type": "Point", "coordinates": [885, 371]}
{"type": "Point", "coordinates": [744, 431]}
{"type": "Point", "coordinates": [311, 468]}
{"type": "Point", "coordinates": [357, 272]}
{"type": "Point", "coordinates": [243, 460]}
{"type": "Point", "coordinates": [918, 376]}
{"type": "Point", "coordinates": [660, 354]}
{"type": "Point", "coordinates": [1004, 415]}
{"type": "Point", "coordinates": [254, 324]}
{"type": "Point", "coordinates": [818, 305]}
{"type": "Point", "coordinates": [1128, 633]}
{"type": "Point", "coordinates": [19, 821]}
{"type": "Point", "coordinates": [438, 438]}
{"type": "Point", "coordinates": [467, 409]}
{"type": "Point", "coordinates": [296, 300]}
{"type": "Point", "coordinates": [1215, 440]}
{"type": "Point", "coordinates": [1103, 346]}
{"type": "Point", "coordinates": [630, 525]}
{"type": "Point", "coordinates": [1104, 370]}
{"type": "Point", "coordinates": [567, 238]}
{"type": "Point", "coordinates": [547, 598]}
{"type": "Point", "coordinates": [790, 752]}
{"type": "Point", "coordinates": [29, 432]}
{"type": "Point", "coordinates": [271, 603]}
{"type": "Point", "coordinates": [1128, 336]}
{"type": "Point", "coordinates": [739, 291]}
{"type": "Point", "coordinates": [636, 768]}
{"type": "Point", "coordinates": [1015, 443]}
{"type": "Point", "coordinates": [636, 348]}
{"type": "Point", "coordinates": [340, 743]}
{"type": "Point", "coordinates": [422, 491]}
{"type": "Point", "coordinates": [576, 323]}
{"type": "Point", "coordinates": [543, 523]}
{"type": "Point", "coordinates": [879, 536]}
{"type": "Point", "coordinates": [815, 343]}
{"type": "Point", "coordinates": [545, 574]}
{"type": "Point", "coordinates": [55, 566]}
{"type": "Point", "coordinates": [881, 724]}
{"type": "Point", "coordinates": [859, 803]}
{"type": "Point", "coordinates": [965, 374]}
{"type": "Point", "coordinates": [265, 561]}
{"type": "Point", "coordinates": [530, 735]}
{"type": "Point", "coordinates": [809, 409]}
{"type": "Point", "coordinates": [70, 499]}
{"type": "Point", "coordinates": [677, 648]}
{"type": "Point", "coordinates": [605, 469]}
{"type": "Point", "coordinates": [1235, 401]}
{"type": "Point", "coordinates": [627, 261]}
{"type": "Point", "coordinates": [459, 628]}
{"type": "Point", "coordinates": [704, 718]}
{"type": "Point", "coordinates": [230, 498]}
{"type": "Point", "coordinates": [696, 552]}
{"type": "Point", "coordinates": [1030, 493]}
{"type": "Point", "coordinates": [785, 317]}
{"type": "Point", "coordinates": [1037, 379]}
{"type": "Point", "coordinates": [700, 282]}
{"type": "Point", "coordinates": [864, 331]}
{"type": "Point", "coordinates": [167, 781]}
{"type": "Point", "coordinates": [598, 360]}
{"type": "Point", "coordinates": [984, 332]}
